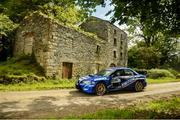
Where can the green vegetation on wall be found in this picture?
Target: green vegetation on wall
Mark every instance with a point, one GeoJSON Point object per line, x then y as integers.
{"type": "Point", "coordinates": [21, 69]}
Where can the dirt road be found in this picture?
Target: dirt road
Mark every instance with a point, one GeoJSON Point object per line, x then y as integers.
{"type": "Point", "coordinates": [60, 103]}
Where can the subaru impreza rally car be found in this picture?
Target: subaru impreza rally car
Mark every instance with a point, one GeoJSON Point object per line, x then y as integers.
{"type": "Point", "coordinates": [112, 79]}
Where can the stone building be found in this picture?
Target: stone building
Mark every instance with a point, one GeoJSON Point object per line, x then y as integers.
{"type": "Point", "coordinates": [65, 52]}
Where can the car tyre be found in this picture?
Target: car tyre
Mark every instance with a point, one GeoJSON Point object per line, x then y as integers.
{"type": "Point", "coordinates": [138, 87]}
{"type": "Point", "coordinates": [100, 89]}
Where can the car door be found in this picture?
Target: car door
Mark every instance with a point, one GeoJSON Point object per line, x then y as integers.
{"type": "Point", "coordinates": [127, 78]}
{"type": "Point", "coordinates": [116, 78]}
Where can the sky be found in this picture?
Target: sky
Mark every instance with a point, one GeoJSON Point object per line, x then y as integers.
{"type": "Point", "coordinates": [101, 13]}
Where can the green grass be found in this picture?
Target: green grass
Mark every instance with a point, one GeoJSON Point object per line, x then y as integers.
{"type": "Point", "coordinates": [42, 85]}
{"type": "Point", "coordinates": [162, 80]}
{"type": "Point", "coordinates": [61, 84]}
{"type": "Point", "coordinates": [156, 109]}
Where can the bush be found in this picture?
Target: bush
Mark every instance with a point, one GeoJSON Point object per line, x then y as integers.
{"type": "Point", "coordinates": [143, 57]}
{"type": "Point", "coordinates": [174, 72]}
{"type": "Point", "coordinates": [177, 76]}
{"type": "Point", "coordinates": [141, 71]}
{"type": "Point", "coordinates": [158, 73]}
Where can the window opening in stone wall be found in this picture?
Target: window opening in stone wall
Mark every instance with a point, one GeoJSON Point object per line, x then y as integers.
{"type": "Point", "coordinates": [114, 31]}
{"type": "Point", "coordinates": [114, 54]}
{"type": "Point", "coordinates": [121, 36]}
{"type": "Point", "coordinates": [121, 55]}
{"type": "Point", "coordinates": [98, 49]}
{"type": "Point", "coordinates": [121, 47]}
{"type": "Point", "coordinates": [115, 42]}
{"type": "Point", "coordinates": [121, 42]}
{"type": "Point", "coordinates": [112, 65]}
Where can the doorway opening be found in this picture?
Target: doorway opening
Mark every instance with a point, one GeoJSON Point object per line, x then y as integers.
{"type": "Point", "coordinates": [67, 70]}
{"type": "Point", "coordinates": [28, 42]}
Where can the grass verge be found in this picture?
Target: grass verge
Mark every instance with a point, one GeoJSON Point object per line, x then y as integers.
{"type": "Point", "coordinates": [41, 85]}
{"type": "Point", "coordinates": [162, 80]}
{"type": "Point", "coordinates": [61, 84]}
{"type": "Point", "coordinates": [156, 109]}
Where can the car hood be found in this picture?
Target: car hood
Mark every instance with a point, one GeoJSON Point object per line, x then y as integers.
{"type": "Point", "coordinates": [141, 76]}
{"type": "Point", "coordinates": [93, 78]}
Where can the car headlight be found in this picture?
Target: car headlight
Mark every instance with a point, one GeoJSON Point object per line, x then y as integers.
{"type": "Point", "coordinates": [88, 82]}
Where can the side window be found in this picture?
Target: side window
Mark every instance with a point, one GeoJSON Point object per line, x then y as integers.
{"type": "Point", "coordinates": [118, 73]}
{"type": "Point", "coordinates": [128, 72]}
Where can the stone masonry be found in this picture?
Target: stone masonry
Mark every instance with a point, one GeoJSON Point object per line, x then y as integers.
{"type": "Point", "coordinates": [66, 52]}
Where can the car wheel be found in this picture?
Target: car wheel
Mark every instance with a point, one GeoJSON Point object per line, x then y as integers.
{"type": "Point", "coordinates": [100, 89]}
{"type": "Point", "coordinates": [138, 86]}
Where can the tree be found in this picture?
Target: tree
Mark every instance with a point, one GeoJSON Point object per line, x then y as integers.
{"type": "Point", "coordinates": [18, 9]}
{"type": "Point", "coordinates": [145, 32]}
{"type": "Point", "coordinates": [163, 15]}
{"type": "Point", "coordinates": [143, 57]}
{"type": "Point", "coordinates": [67, 15]}
{"type": "Point", "coordinates": [6, 27]}
{"type": "Point", "coordinates": [162, 41]}
{"type": "Point", "coordinates": [167, 46]}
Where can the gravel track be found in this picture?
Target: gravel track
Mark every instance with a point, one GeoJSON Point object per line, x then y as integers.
{"type": "Point", "coordinates": [69, 102]}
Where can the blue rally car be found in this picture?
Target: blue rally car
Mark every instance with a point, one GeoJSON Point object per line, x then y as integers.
{"type": "Point", "coordinates": [112, 79]}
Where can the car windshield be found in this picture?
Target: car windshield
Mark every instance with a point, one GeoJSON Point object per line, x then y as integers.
{"type": "Point", "coordinates": [104, 72]}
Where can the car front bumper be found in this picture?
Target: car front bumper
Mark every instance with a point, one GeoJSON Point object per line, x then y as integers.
{"type": "Point", "coordinates": [85, 88]}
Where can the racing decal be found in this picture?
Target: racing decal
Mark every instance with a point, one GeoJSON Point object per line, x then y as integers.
{"type": "Point", "coordinates": [128, 82]}
{"type": "Point", "coordinates": [116, 80]}
{"type": "Point", "coordinates": [102, 78]}
{"type": "Point", "coordinates": [84, 78]}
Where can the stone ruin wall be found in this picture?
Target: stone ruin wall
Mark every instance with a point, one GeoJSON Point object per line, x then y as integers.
{"type": "Point", "coordinates": [72, 46]}
{"type": "Point", "coordinates": [32, 38]}
{"type": "Point", "coordinates": [52, 44]}
{"type": "Point", "coordinates": [109, 32]}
